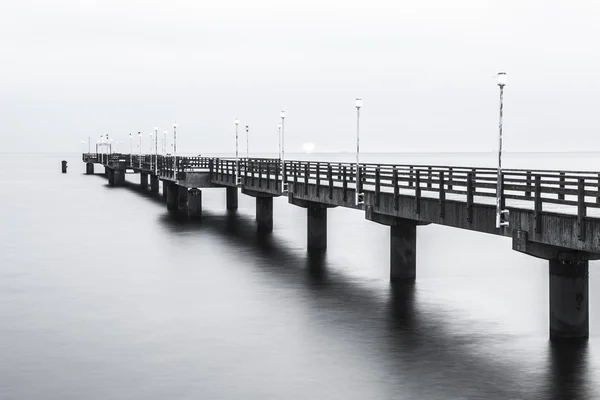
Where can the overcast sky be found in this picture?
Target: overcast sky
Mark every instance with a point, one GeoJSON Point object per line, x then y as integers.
{"type": "Point", "coordinates": [70, 69]}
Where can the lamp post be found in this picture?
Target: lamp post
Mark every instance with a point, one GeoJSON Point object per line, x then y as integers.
{"type": "Point", "coordinates": [279, 137]}
{"type": "Point", "coordinates": [237, 162]}
{"type": "Point", "coordinates": [155, 151]}
{"type": "Point", "coordinates": [175, 151]}
{"type": "Point", "coordinates": [140, 135]}
{"type": "Point", "coordinates": [247, 150]}
{"type": "Point", "coordinates": [130, 150]}
{"type": "Point", "coordinates": [283, 150]}
{"type": "Point", "coordinates": [165, 142]}
{"type": "Point", "coordinates": [499, 212]}
{"type": "Point", "coordinates": [83, 146]}
{"type": "Point", "coordinates": [150, 152]}
{"type": "Point", "coordinates": [358, 196]}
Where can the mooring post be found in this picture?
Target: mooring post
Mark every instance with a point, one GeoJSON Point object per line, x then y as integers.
{"type": "Point", "coordinates": [89, 168]}
{"type": "Point", "coordinates": [153, 183]}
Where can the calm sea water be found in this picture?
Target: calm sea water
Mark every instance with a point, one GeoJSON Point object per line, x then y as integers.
{"type": "Point", "coordinates": [104, 295]}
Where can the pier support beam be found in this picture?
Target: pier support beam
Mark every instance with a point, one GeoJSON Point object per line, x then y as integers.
{"type": "Point", "coordinates": [403, 251]}
{"type": "Point", "coordinates": [316, 229]}
{"type": "Point", "coordinates": [182, 198]}
{"type": "Point", "coordinates": [264, 214]}
{"type": "Point", "coordinates": [164, 190]}
{"type": "Point", "coordinates": [143, 180]}
{"type": "Point", "coordinates": [232, 198]}
{"type": "Point", "coordinates": [171, 196]}
{"type": "Point", "coordinates": [89, 168]}
{"type": "Point", "coordinates": [569, 300]}
{"type": "Point", "coordinates": [153, 183]}
{"type": "Point", "coordinates": [111, 176]}
{"type": "Point", "coordinates": [106, 172]}
{"type": "Point", "coordinates": [195, 204]}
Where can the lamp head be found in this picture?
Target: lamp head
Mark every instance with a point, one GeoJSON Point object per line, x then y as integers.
{"type": "Point", "coordinates": [236, 121]}
{"type": "Point", "coordinates": [174, 125]}
{"type": "Point", "coordinates": [358, 103]}
{"type": "Point", "coordinates": [282, 114]}
{"type": "Point", "coordinates": [501, 79]}
{"type": "Point", "coordinates": [279, 125]}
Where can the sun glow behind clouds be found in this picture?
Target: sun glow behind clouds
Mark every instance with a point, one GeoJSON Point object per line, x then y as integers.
{"type": "Point", "coordinates": [308, 147]}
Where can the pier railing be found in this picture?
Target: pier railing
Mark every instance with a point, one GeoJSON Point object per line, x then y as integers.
{"type": "Point", "coordinates": [572, 192]}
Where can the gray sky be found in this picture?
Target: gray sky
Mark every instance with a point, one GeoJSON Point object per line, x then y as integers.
{"type": "Point", "coordinates": [77, 68]}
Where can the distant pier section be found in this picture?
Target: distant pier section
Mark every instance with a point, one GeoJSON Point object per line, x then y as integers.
{"type": "Point", "coordinates": [552, 215]}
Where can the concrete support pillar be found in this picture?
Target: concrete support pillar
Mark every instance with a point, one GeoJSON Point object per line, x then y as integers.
{"type": "Point", "coordinates": [106, 172]}
{"type": "Point", "coordinates": [154, 183]}
{"type": "Point", "coordinates": [111, 176]}
{"type": "Point", "coordinates": [119, 177]}
{"type": "Point", "coordinates": [232, 198]}
{"type": "Point", "coordinates": [182, 198]}
{"type": "Point", "coordinates": [569, 300]}
{"type": "Point", "coordinates": [89, 168]}
{"type": "Point", "coordinates": [195, 204]}
{"type": "Point", "coordinates": [164, 190]}
{"type": "Point", "coordinates": [403, 251]}
{"type": "Point", "coordinates": [172, 195]}
{"type": "Point", "coordinates": [264, 214]}
{"type": "Point", "coordinates": [316, 227]}
{"type": "Point", "coordinates": [143, 180]}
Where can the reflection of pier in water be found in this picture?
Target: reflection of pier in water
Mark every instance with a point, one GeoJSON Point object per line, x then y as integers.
{"type": "Point", "coordinates": [547, 216]}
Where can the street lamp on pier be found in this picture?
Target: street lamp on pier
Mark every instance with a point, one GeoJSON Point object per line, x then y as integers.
{"type": "Point", "coordinates": [500, 214]}
{"type": "Point", "coordinates": [359, 196]}
{"type": "Point", "coordinates": [130, 150]}
{"type": "Point", "coordinates": [155, 151]}
{"type": "Point", "coordinates": [175, 151]}
{"type": "Point", "coordinates": [247, 141]}
{"type": "Point", "coordinates": [237, 162]}
{"type": "Point", "coordinates": [282, 145]}
{"type": "Point", "coordinates": [140, 135]}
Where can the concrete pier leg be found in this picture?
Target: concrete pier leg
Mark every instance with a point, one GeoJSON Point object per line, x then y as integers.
{"type": "Point", "coordinates": [182, 198]}
{"type": "Point", "coordinates": [232, 198]}
{"type": "Point", "coordinates": [195, 204]}
{"type": "Point", "coordinates": [111, 177]}
{"type": "Point", "coordinates": [164, 190]}
{"type": "Point", "coordinates": [264, 214]}
{"type": "Point", "coordinates": [403, 254]}
{"type": "Point", "coordinates": [569, 300]}
{"type": "Point", "coordinates": [316, 228]}
{"type": "Point", "coordinates": [89, 168]}
{"type": "Point", "coordinates": [119, 177]}
{"type": "Point", "coordinates": [153, 183]}
{"type": "Point", "coordinates": [172, 194]}
{"type": "Point", "coordinates": [106, 172]}
{"type": "Point", "coordinates": [143, 180]}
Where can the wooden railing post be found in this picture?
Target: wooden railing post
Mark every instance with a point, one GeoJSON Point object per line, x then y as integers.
{"type": "Point", "coordinates": [306, 179]}
{"type": "Point", "coordinates": [296, 178]}
{"type": "Point", "coordinates": [318, 179]}
{"type": "Point", "coordinates": [210, 170]}
{"type": "Point", "coordinates": [418, 192]}
{"type": "Point", "coordinates": [260, 168]}
{"type": "Point", "coordinates": [410, 176]}
{"type": "Point", "coordinates": [450, 178]}
{"type": "Point", "coordinates": [528, 184]}
{"type": "Point", "coordinates": [581, 209]}
{"type": "Point", "coordinates": [377, 186]}
{"type": "Point", "coordinates": [561, 185]}
{"type": "Point", "coordinates": [252, 171]}
{"type": "Point", "coordinates": [428, 177]}
{"type": "Point", "coordinates": [470, 196]}
{"type": "Point", "coordinates": [345, 183]}
{"type": "Point", "coordinates": [537, 205]}
{"type": "Point", "coordinates": [502, 198]}
{"type": "Point", "coordinates": [330, 176]}
{"type": "Point", "coordinates": [442, 196]}
{"type": "Point", "coordinates": [396, 189]}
